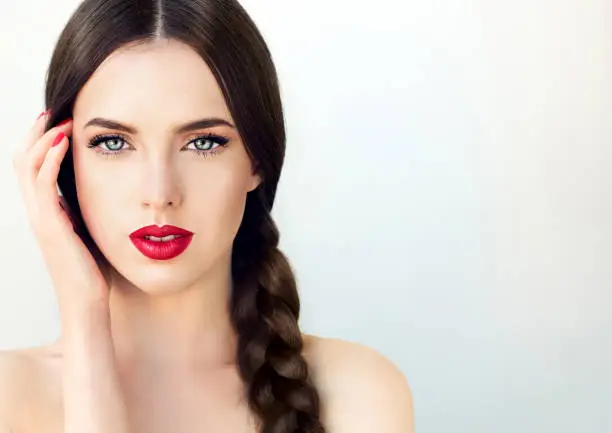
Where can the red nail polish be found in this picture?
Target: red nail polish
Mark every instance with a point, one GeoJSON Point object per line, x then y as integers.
{"type": "Point", "coordinates": [42, 114]}
{"type": "Point", "coordinates": [63, 122]}
{"type": "Point", "coordinates": [58, 139]}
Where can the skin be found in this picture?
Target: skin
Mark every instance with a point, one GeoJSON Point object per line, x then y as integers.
{"type": "Point", "coordinates": [170, 326]}
{"type": "Point", "coordinates": [175, 312]}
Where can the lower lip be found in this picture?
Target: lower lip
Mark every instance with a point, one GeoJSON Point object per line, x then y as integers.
{"type": "Point", "coordinates": [162, 250]}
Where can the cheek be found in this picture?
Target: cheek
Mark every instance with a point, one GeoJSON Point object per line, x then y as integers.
{"type": "Point", "coordinates": [213, 197]}
{"type": "Point", "coordinates": [220, 201]}
{"type": "Point", "coordinates": [98, 199]}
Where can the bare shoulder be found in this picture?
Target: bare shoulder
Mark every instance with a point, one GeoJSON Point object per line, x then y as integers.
{"type": "Point", "coordinates": [26, 377]}
{"type": "Point", "coordinates": [361, 390]}
{"type": "Point", "coordinates": [15, 368]}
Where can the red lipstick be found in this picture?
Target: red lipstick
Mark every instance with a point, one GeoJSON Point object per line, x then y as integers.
{"type": "Point", "coordinates": [161, 243]}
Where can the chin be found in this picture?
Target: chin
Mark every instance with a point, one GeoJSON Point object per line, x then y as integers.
{"type": "Point", "coordinates": [159, 286]}
{"type": "Point", "coordinates": [158, 280]}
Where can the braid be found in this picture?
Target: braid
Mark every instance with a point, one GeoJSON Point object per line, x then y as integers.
{"type": "Point", "coordinates": [265, 313]}
{"type": "Point", "coordinates": [265, 306]}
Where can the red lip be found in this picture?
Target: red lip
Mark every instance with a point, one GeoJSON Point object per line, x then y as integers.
{"type": "Point", "coordinates": [160, 232]}
{"type": "Point", "coordinates": [161, 250]}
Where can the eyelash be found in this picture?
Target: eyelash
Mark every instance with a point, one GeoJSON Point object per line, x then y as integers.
{"type": "Point", "coordinates": [97, 141]}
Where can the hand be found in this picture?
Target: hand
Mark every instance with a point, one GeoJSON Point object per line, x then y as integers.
{"type": "Point", "coordinates": [78, 278]}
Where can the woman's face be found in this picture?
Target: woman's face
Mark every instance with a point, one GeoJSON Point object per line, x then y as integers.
{"type": "Point", "coordinates": [158, 174]}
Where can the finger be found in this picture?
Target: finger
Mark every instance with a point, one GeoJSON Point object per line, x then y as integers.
{"type": "Point", "coordinates": [63, 204]}
{"type": "Point", "coordinates": [27, 168]}
{"type": "Point", "coordinates": [67, 211]}
{"type": "Point", "coordinates": [37, 129]}
{"type": "Point", "coordinates": [31, 166]}
{"type": "Point", "coordinates": [33, 134]}
{"type": "Point", "coordinates": [47, 197]}
{"type": "Point", "coordinates": [38, 151]}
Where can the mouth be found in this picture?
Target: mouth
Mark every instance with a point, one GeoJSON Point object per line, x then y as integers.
{"type": "Point", "coordinates": [164, 239]}
{"type": "Point", "coordinates": [161, 243]}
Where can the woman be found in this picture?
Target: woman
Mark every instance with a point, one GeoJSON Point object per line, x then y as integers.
{"type": "Point", "coordinates": [165, 134]}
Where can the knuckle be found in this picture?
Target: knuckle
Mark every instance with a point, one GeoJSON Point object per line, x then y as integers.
{"type": "Point", "coordinates": [54, 164]}
{"type": "Point", "coordinates": [46, 170]}
{"type": "Point", "coordinates": [39, 183]}
{"type": "Point", "coordinates": [50, 163]}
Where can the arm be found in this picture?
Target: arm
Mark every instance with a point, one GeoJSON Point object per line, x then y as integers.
{"type": "Point", "coordinates": [93, 401]}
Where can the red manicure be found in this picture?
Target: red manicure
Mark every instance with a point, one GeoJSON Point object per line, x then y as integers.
{"type": "Point", "coordinates": [58, 139]}
{"type": "Point", "coordinates": [63, 122]}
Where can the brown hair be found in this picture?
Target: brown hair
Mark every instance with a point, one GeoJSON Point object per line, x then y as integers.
{"type": "Point", "coordinates": [265, 304]}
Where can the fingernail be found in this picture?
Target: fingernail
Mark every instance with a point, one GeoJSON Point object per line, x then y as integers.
{"type": "Point", "coordinates": [58, 139]}
{"type": "Point", "coordinates": [63, 122]}
{"type": "Point", "coordinates": [42, 114]}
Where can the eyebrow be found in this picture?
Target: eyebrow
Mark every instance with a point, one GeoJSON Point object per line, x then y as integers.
{"type": "Point", "coordinates": [187, 127]}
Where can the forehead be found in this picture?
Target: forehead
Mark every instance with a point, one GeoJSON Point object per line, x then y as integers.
{"type": "Point", "coordinates": [157, 81]}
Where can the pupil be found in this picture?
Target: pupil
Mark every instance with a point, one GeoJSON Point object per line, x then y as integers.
{"type": "Point", "coordinates": [202, 144]}
{"type": "Point", "coordinates": [114, 145]}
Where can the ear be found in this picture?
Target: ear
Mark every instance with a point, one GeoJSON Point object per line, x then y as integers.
{"type": "Point", "coordinates": [254, 182]}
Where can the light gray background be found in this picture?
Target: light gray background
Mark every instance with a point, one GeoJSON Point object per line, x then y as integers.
{"type": "Point", "coordinates": [445, 200]}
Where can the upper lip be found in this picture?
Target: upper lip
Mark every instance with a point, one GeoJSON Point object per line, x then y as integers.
{"type": "Point", "coordinates": [160, 232]}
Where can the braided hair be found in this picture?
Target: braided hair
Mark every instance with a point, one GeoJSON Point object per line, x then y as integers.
{"type": "Point", "coordinates": [265, 306]}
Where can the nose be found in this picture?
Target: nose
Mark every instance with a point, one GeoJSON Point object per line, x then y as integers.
{"type": "Point", "coordinates": [162, 187]}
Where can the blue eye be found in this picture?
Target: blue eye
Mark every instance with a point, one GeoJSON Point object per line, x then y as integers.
{"type": "Point", "coordinates": [113, 145]}
{"type": "Point", "coordinates": [207, 143]}
{"type": "Point", "coordinates": [108, 143]}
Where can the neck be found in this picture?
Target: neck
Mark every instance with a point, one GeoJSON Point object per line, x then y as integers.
{"type": "Point", "coordinates": [187, 330]}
